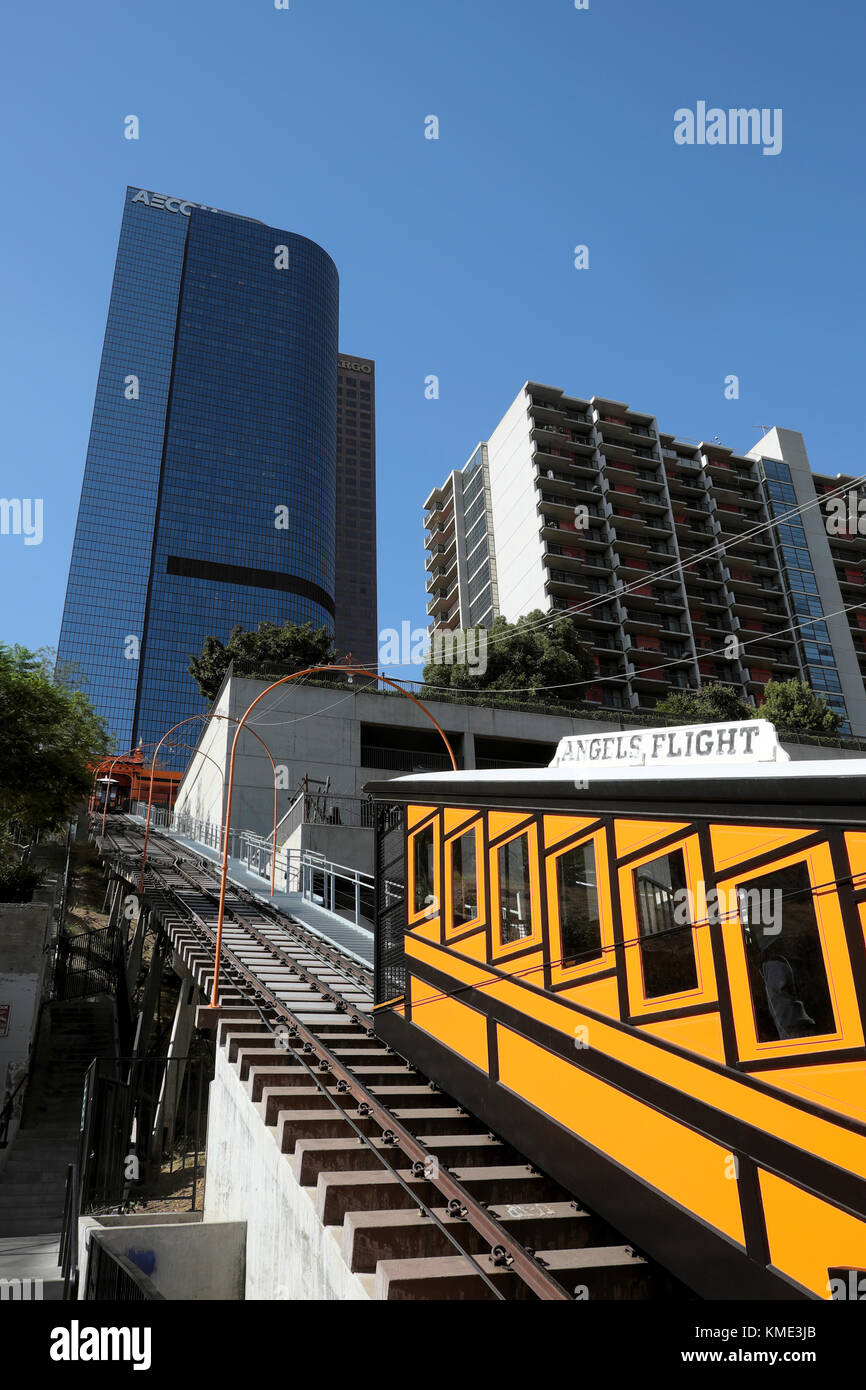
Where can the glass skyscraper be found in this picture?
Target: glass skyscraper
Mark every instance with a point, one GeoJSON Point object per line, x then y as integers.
{"type": "Point", "coordinates": [355, 579]}
{"type": "Point", "coordinates": [209, 493]}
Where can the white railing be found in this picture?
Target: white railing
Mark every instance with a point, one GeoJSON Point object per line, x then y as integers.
{"type": "Point", "coordinates": [343, 890]}
{"type": "Point", "coordinates": [158, 814]}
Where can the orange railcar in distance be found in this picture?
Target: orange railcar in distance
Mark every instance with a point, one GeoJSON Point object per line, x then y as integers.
{"type": "Point", "coordinates": [646, 967]}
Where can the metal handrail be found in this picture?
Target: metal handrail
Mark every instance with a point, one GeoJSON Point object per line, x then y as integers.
{"type": "Point", "coordinates": [68, 1256]}
{"type": "Point", "coordinates": [296, 867]}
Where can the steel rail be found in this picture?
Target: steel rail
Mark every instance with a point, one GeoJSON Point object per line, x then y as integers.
{"type": "Point", "coordinates": [236, 973]}
{"type": "Point", "coordinates": [505, 1250]}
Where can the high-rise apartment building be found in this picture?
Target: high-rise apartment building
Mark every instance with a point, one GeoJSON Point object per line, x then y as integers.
{"type": "Point", "coordinates": [663, 550]}
{"type": "Point", "coordinates": [355, 582]}
{"type": "Point", "coordinates": [211, 489]}
{"type": "Point", "coordinates": [461, 563]}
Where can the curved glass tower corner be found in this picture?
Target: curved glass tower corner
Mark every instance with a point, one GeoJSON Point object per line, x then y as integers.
{"type": "Point", "coordinates": [209, 491]}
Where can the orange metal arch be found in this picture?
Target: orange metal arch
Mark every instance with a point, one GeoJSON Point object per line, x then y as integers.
{"type": "Point", "coordinates": [231, 718]}
{"type": "Point", "coordinates": [308, 671]}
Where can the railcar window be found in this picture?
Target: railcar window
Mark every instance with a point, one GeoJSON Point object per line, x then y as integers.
{"type": "Point", "coordinates": [577, 895]}
{"type": "Point", "coordinates": [423, 876]}
{"type": "Point", "coordinates": [464, 879]}
{"type": "Point", "coordinates": [667, 948]}
{"type": "Point", "coordinates": [515, 910]}
{"type": "Point", "coordinates": [787, 974]}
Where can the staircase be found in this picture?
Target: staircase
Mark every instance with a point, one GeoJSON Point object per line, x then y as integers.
{"type": "Point", "coordinates": [32, 1185]}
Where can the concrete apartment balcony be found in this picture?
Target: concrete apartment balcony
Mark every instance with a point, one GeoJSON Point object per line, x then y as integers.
{"type": "Point", "coordinates": [554, 481]}
{"type": "Point", "coordinates": [563, 582]}
{"type": "Point", "coordinates": [439, 604]}
{"type": "Point", "coordinates": [654, 527]}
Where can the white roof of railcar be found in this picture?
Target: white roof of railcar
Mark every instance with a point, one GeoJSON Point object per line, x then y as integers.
{"type": "Point", "coordinates": [561, 777]}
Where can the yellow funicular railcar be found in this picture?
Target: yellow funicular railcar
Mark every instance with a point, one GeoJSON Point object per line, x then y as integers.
{"type": "Point", "coordinates": [646, 967]}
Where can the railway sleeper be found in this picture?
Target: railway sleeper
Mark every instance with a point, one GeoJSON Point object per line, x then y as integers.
{"type": "Point", "coordinates": [339, 1193]}
{"type": "Point", "coordinates": [601, 1272]}
{"type": "Point", "coordinates": [315, 1156]}
{"type": "Point", "coordinates": [275, 1099]}
{"type": "Point", "coordinates": [369, 1237]}
{"type": "Point", "coordinates": [293, 1125]}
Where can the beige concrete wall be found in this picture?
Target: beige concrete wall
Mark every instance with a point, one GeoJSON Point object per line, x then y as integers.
{"type": "Point", "coordinates": [24, 933]}
{"type": "Point", "coordinates": [185, 1258]}
{"type": "Point", "coordinates": [290, 1255]}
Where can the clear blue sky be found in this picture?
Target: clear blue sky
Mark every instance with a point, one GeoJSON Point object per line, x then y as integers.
{"type": "Point", "coordinates": [455, 256]}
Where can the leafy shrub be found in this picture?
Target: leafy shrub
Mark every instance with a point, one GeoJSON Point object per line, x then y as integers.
{"type": "Point", "coordinates": [18, 882]}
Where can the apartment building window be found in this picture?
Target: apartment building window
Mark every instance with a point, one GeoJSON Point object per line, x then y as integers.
{"type": "Point", "coordinates": [806, 583]}
{"type": "Point", "coordinates": [476, 532]}
{"type": "Point", "coordinates": [772, 469]}
{"type": "Point", "coordinates": [808, 606]}
{"type": "Point", "coordinates": [820, 678]}
{"type": "Point", "coordinates": [782, 492]}
{"type": "Point", "coordinates": [796, 559]}
{"type": "Point", "coordinates": [818, 655]}
{"type": "Point", "coordinates": [479, 581]}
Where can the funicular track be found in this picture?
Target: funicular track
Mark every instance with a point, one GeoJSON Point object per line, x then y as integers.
{"type": "Point", "coordinates": [430, 1204]}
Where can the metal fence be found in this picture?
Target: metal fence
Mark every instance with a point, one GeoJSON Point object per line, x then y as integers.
{"type": "Point", "coordinates": [112, 1278]}
{"type": "Point", "coordinates": [341, 889]}
{"type": "Point", "coordinates": [390, 905]}
{"type": "Point", "coordinates": [87, 964]}
{"type": "Point", "coordinates": [143, 1131]}
{"type": "Point", "coordinates": [403, 759]}
{"type": "Point", "coordinates": [347, 892]}
{"type": "Point", "coordinates": [158, 814]}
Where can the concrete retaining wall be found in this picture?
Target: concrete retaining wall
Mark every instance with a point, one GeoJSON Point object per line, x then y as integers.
{"type": "Point", "coordinates": [290, 1255]}
{"type": "Point", "coordinates": [24, 934]}
{"type": "Point", "coordinates": [184, 1257]}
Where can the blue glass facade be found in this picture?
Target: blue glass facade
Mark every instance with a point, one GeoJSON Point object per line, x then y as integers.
{"type": "Point", "coordinates": [209, 492]}
{"type": "Point", "coordinates": [813, 638]}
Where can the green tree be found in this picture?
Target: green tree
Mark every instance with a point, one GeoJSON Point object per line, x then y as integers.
{"type": "Point", "coordinates": [289, 648]}
{"type": "Point", "coordinates": [529, 655]}
{"type": "Point", "coordinates": [51, 736]}
{"type": "Point", "coordinates": [795, 708]}
{"type": "Point", "coordinates": [712, 704]}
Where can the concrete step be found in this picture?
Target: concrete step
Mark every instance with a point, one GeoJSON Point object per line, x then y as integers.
{"type": "Point", "coordinates": [315, 1156]}
{"type": "Point", "coordinates": [24, 1225]}
{"type": "Point", "coordinates": [607, 1272]}
{"type": "Point", "coordinates": [260, 1075]}
{"type": "Point", "coordinates": [33, 1181]}
{"type": "Point", "coordinates": [355, 1041]}
{"type": "Point", "coordinates": [369, 1237]}
{"type": "Point", "coordinates": [37, 1156]}
{"type": "Point", "coordinates": [36, 1159]}
{"type": "Point", "coordinates": [293, 1124]}
{"type": "Point", "coordinates": [18, 1289]}
{"type": "Point", "coordinates": [29, 1257]}
{"type": "Point", "coordinates": [235, 1041]}
{"type": "Point", "coordinates": [349, 1054]}
{"type": "Point", "coordinates": [27, 1202]}
{"type": "Point", "coordinates": [273, 1099]}
{"type": "Point", "coordinates": [339, 1193]}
